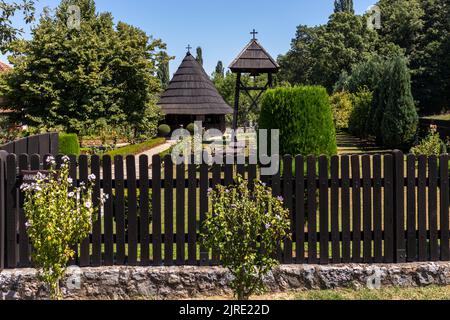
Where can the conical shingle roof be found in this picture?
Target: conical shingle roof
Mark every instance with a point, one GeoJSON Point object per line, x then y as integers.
{"type": "Point", "coordinates": [192, 92]}
{"type": "Point", "coordinates": [254, 59]}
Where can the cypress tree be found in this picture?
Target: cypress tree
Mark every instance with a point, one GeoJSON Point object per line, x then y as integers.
{"type": "Point", "coordinates": [343, 6]}
{"type": "Point", "coordinates": [219, 72]}
{"type": "Point", "coordinates": [163, 74]}
{"type": "Point", "coordinates": [199, 55]}
{"type": "Point", "coordinates": [400, 119]}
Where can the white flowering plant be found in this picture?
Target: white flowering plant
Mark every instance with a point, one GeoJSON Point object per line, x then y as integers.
{"type": "Point", "coordinates": [246, 226]}
{"type": "Point", "coordinates": [59, 216]}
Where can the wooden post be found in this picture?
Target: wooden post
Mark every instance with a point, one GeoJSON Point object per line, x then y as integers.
{"type": "Point", "coordinates": [3, 155]}
{"type": "Point", "coordinates": [399, 208]}
{"type": "Point", "coordinates": [236, 101]}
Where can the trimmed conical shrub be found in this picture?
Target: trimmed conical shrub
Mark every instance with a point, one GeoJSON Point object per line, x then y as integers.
{"type": "Point", "coordinates": [400, 119]}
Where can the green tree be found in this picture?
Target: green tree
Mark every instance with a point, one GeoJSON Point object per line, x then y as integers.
{"type": "Point", "coordinates": [343, 6]}
{"type": "Point", "coordinates": [400, 119]}
{"type": "Point", "coordinates": [220, 70]}
{"type": "Point", "coordinates": [98, 75]}
{"type": "Point", "coordinates": [163, 74]}
{"type": "Point", "coordinates": [319, 55]}
{"type": "Point", "coordinates": [8, 10]}
{"type": "Point", "coordinates": [199, 57]}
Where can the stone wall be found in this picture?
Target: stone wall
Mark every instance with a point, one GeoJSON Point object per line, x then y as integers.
{"type": "Point", "coordinates": [190, 282]}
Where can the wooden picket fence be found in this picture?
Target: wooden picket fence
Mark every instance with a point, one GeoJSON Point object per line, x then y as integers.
{"type": "Point", "coordinates": [361, 209]}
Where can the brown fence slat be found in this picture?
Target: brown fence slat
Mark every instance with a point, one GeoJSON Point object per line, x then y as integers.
{"type": "Point", "coordinates": [356, 203]}
{"type": "Point", "coordinates": [11, 212]}
{"type": "Point", "coordinates": [288, 192]}
{"type": "Point", "coordinates": [180, 217]}
{"type": "Point", "coordinates": [119, 209]}
{"type": "Point", "coordinates": [204, 179]}
{"type": "Point", "coordinates": [345, 197]}
{"type": "Point", "coordinates": [276, 191]}
{"type": "Point", "coordinates": [54, 143]}
{"type": "Point", "coordinates": [44, 144]}
{"type": "Point", "coordinates": [422, 208]}
{"type": "Point", "coordinates": [3, 156]}
{"type": "Point", "coordinates": [399, 215]}
{"type": "Point", "coordinates": [432, 208]}
{"type": "Point", "coordinates": [21, 146]}
{"type": "Point", "coordinates": [377, 210]}
{"type": "Point", "coordinates": [132, 221]}
{"type": "Point", "coordinates": [168, 210]}
{"type": "Point", "coordinates": [73, 173]}
{"type": "Point", "coordinates": [85, 244]}
{"type": "Point", "coordinates": [411, 208]}
{"type": "Point", "coordinates": [156, 210]}
{"type": "Point", "coordinates": [108, 214]}
{"type": "Point", "coordinates": [299, 210]}
{"type": "Point", "coordinates": [33, 145]}
{"type": "Point", "coordinates": [97, 225]}
{"type": "Point", "coordinates": [367, 209]}
{"type": "Point", "coordinates": [312, 210]}
{"type": "Point", "coordinates": [323, 209]}
{"type": "Point", "coordinates": [144, 211]}
{"type": "Point", "coordinates": [192, 214]}
{"type": "Point", "coordinates": [444, 205]}
{"type": "Point", "coordinates": [24, 248]}
{"type": "Point", "coordinates": [216, 179]}
{"type": "Point", "coordinates": [335, 241]}
{"type": "Point", "coordinates": [388, 208]}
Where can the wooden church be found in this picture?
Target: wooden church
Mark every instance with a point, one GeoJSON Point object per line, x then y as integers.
{"type": "Point", "coordinates": [191, 96]}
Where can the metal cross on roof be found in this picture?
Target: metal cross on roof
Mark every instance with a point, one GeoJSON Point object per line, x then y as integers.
{"type": "Point", "coordinates": [254, 33]}
{"type": "Point", "coordinates": [189, 48]}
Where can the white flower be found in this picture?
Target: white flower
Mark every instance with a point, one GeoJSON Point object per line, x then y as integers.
{"type": "Point", "coordinates": [51, 159]}
{"type": "Point", "coordinates": [71, 194]}
{"type": "Point", "coordinates": [92, 177]}
{"type": "Point", "coordinates": [88, 204]}
{"type": "Point", "coordinates": [70, 180]}
{"type": "Point", "coordinates": [65, 159]}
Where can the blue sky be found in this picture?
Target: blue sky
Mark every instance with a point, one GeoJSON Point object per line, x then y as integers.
{"type": "Point", "coordinates": [220, 27]}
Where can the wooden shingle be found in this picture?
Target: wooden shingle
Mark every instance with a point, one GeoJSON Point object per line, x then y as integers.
{"type": "Point", "coordinates": [254, 59]}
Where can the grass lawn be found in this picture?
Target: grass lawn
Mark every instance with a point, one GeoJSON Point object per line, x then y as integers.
{"type": "Point", "coordinates": [425, 293]}
{"type": "Point", "coordinates": [136, 148]}
{"type": "Point", "coordinates": [445, 117]}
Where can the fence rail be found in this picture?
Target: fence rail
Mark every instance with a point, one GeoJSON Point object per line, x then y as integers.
{"type": "Point", "coordinates": [364, 209]}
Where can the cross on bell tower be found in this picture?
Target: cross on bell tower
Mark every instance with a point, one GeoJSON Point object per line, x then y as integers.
{"type": "Point", "coordinates": [254, 33]}
{"type": "Point", "coordinates": [189, 48]}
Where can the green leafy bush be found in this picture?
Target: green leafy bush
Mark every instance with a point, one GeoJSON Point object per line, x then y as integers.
{"type": "Point", "coordinates": [69, 144]}
{"type": "Point", "coordinates": [241, 222]}
{"type": "Point", "coordinates": [164, 130]}
{"type": "Point", "coordinates": [303, 115]}
{"type": "Point", "coordinates": [342, 106]}
{"type": "Point", "coordinates": [59, 216]}
{"type": "Point", "coordinates": [191, 128]}
{"type": "Point", "coordinates": [362, 102]}
{"type": "Point", "coordinates": [432, 145]}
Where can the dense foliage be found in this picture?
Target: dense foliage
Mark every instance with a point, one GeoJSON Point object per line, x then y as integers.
{"type": "Point", "coordinates": [59, 216]}
{"type": "Point", "coordinates": [359, 117]}
{"type": "Point", "coordinates": [304, 117]}
{"type": "Point", "coordinates": [164, 130]}
{"type": "Point", "coordinates": [8, 11]}
{"type": "Point", "coordinates": [69, 144]}
{"type": "Point", "coordinates": [400, 119]}
{"type": "Point", "coordinates": [417, 29]}
{"type": "Point", "coordinates": [100, 75]}
{"type": "Point", "coordinates": [246, 225]}
{"type": "Point", "coordinates": [342, 106]}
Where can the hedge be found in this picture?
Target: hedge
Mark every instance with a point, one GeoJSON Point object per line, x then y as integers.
{"type": "Point", "coordinates": [136, 148]}
{"type": "Point", "coordinates": [69, 144]}
{"type": "Point", "coordinates": [303, 115]}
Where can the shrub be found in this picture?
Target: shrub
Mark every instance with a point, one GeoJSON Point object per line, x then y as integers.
{"type": "Point", "coordinates": [304, 117]}
{"type": "Point", "coordinates": [59, 216]}
{"type": "Point", "coordinates": [164, 130]}
{"type": "Point", "coordinates": [432, 145]}
{"type": "Point", "coordinates": [242, 222]}
{"type": "Point", "coordinates": [359, 117]}
{"type": "Point", "coordinates": [191, 128]}
{"type": "Point", "coordinates": [400, 119]}
{"type": "Point", "coordinates": [69, 144]}
{"type": "Point", "coordinates": [341, 103]}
